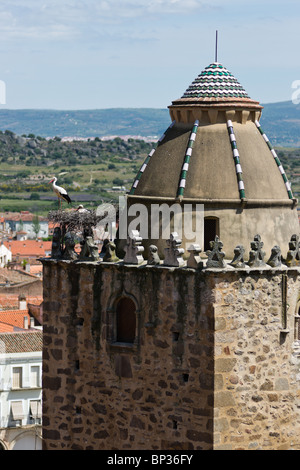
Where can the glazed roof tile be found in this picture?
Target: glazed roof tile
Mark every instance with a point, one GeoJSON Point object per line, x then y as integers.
{"type": "Point", "coordinates": [215, 81]}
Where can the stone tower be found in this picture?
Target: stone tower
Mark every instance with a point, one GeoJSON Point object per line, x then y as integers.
{"type": "Point", "coordinates": [167, 348]}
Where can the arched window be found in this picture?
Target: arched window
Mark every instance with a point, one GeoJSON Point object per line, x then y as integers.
{"type": "Point", "coordinates": [211, 229]}
{"type": "Point", "coordinates": [125, 320]}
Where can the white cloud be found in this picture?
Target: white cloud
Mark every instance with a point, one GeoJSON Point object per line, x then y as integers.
{"type": "Point", "coordinates": [88, 20]}
{"type": "Point", "coordinates": [175, 6]}
{"type": "Point", "coordinates": [30, 22]}
{"type": "Point", "coordinates": [34, 12]}
{"type": "Point", "coordinates": [132, 8]}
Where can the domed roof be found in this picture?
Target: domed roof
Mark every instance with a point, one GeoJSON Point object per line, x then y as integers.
{"type": "Point", "coordinates": [215, 148]}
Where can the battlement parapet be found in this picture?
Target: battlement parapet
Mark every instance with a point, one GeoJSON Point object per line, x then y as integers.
{"type": "Point", "coordinates": [63, 248]}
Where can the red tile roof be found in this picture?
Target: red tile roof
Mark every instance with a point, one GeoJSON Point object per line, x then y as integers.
{"type": "Point", "coordinates": [35, 269]}
{"type": "Point", "coordinates": [14, 317]}
{"type": "Point", "coordinates": [25, 216]}
{"type": "Point", "coordinates": [4, 328]}
{"type": "Point", "coordinates": [13, 275]}
{"type": "Point", "coordinates": [23, 341]}
{"type": "Point", "coordinates": [11, 301]}
{"type": "Point", "coordinates": [52, 225]}
{"type": "Point", "coordinates": [33, 248]}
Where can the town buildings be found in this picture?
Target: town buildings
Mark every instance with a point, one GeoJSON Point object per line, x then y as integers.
{"type": "Point", "coordinates": [20, 379]}
{"type": "Point", "coordinates": [25, 252]}
{"type": "Point", "coordinates": [20, 353]}
{"type": "Point", "coordinates": [5, 255]}
{"type": "Point", "coordinates": [25, 225]}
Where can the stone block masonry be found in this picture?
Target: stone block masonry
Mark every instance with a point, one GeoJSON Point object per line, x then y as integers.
{"type": "Point", "coordinates": [205, 359]}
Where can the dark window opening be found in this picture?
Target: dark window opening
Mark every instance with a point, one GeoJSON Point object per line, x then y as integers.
{"type": "Point", "coordinates": [175, 336]}
{"type": "Point", "coordinates": [126, 320]}
{"type": "Point", "coordinates": [185, 377]}
{"type": "Point", "coordinates": [211, 229]}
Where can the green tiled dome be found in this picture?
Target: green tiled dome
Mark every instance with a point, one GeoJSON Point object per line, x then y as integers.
{"type": "Point", "coordinates": [215, 81]}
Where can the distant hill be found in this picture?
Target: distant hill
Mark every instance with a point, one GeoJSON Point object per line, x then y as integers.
{"type": "Point", "coordinates": [281, 122]}
{"type": "Point", "coordinates": [86, 123]}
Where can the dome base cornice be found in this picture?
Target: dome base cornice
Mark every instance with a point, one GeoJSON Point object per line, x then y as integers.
{"type": "Point", "coordinates": [212, 113]}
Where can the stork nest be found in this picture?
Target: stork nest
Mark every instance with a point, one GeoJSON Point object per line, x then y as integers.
{"type": "Point", "coordinates": [76, 221]}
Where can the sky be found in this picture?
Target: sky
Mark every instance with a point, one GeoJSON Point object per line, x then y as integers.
{"type": "Point", "coordinates": [94, 54]}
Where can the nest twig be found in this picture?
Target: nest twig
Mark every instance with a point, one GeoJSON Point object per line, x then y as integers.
{"type": "Point", "coordinates": [78, 221]}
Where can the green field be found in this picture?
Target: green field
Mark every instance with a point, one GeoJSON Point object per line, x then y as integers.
{"type": "Point", "coordinates": [17, 205]}
{"type": "Point", "coordinates": [92, 171]}
{"type": "Point", "coordinates": [42, 207]}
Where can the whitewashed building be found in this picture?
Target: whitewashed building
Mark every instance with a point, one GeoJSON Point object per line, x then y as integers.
{"type": "Point", "coordinates": [5, 255]}
{"type": "Point", "coordinates": [20, 390]}
{"type": "Point", "coordinates": [25, 221]}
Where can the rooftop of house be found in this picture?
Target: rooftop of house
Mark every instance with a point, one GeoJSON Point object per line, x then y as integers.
{"type": "Point", "coordinates": [18, 312]}
{"type": "Point", "coordinates": [36, 270]}
{"type": "Point", "coordinates": [24, 216]}
{"type": "Point", "coordinates": [14, 318]}
{"type": "Point", "coordinates": [11, 301]}
{"type": "Point", "coordinates": [22, 341]}
{"type": "Point", "coordinates": [6, 328]}
{"type": "Point", "coordinates": [32, 248]}
{"type": "Point", "coordinates": [13, 276]}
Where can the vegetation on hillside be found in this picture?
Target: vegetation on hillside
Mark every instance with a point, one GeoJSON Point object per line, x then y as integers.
{"type": "Point", "coordinates": [92, 170]}
{"type": "Point", "coordinates": [281, 122]}
{"type": "Point", "coordinates": [290, 159]}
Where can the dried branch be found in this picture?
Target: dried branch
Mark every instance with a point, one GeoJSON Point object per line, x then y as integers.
{"type": "Point", "coordinates": [79, 220]}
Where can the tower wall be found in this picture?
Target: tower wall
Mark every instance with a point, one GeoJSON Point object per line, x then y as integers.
{"type": "Point", "coordinates": [213, 364]}
{"type": "Point", "coordinates": [235, 222]}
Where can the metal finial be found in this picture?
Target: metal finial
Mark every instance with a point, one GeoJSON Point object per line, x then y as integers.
{"type": "Point", "coordinates": [216, 50]}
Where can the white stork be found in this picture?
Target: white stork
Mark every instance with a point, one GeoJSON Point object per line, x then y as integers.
{"type": "Point", "coordinates": [60, 192]}
{"type": "Point", "coordinates": [81, 209]}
